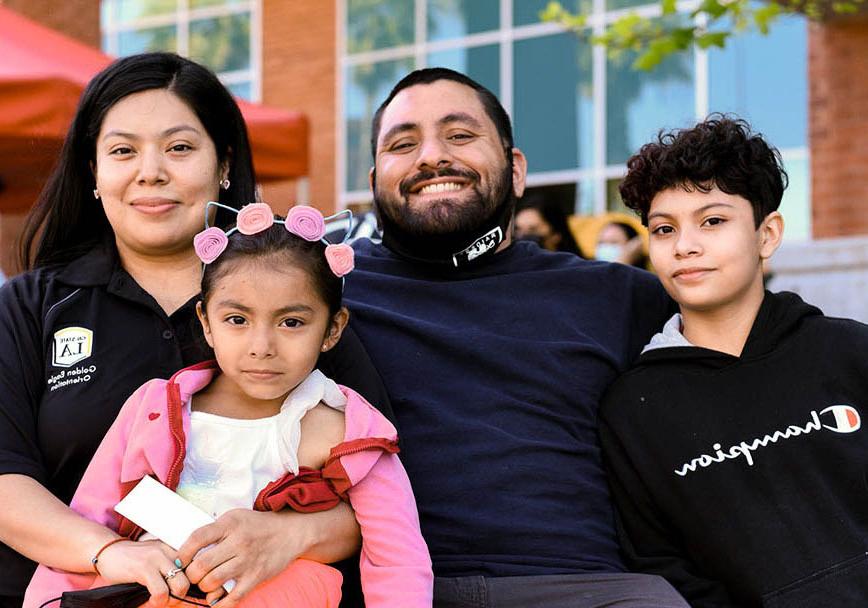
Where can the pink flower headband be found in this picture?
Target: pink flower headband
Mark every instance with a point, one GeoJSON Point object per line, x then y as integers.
{"type": "Point", "coordinates": [301, 220]}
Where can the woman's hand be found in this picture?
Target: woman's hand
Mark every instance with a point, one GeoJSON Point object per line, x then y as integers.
{"type": "Point", "coordinates": [251, 547]}
{"type": "Point", "coordinates": [145, 562]}
{"type": "Point", "coordinates": [246, 546]}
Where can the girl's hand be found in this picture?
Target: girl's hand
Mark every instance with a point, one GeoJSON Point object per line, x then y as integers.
{"type": "Point", "coordinates": [246, 546]}
{"type": "Point", "coordinates": [145, 562]}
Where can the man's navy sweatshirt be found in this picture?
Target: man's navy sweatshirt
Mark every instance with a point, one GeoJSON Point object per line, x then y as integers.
{"type": "Point", "coordinates": [495, 374]}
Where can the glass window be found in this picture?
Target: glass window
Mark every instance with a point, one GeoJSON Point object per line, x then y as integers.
{"type": "Point", "coordinates": [618, 4]}
{"type": "Point", "coordinates": [764, 80]}
{"type": "Point", "coordinates": [553, 101]}
{"type": "Point", "coordinates": [614, 202]}
{"type": "Point", "coordinates": [221, 43]}
{"type": "Point", "coordinates": [201, 3]}
{"type": "Point", "coordinates": [456, 18]}
{"type": "Point", "coordinates": [129, 10]}
{"type": "Point", "coordinates": [244, 90]}
{"type": "Point", "coordinates": [379, 24]}
{"type": "Point", "coordinates": [584, 203]}
{"type": "Point", "coordinates": [366, 87]}
{"type": "Point", "coordinates": [152, 39]}
{"type": "Point", "coordinates": [796, 204]}
{"type": "Point", "coordinates": [481, 63]}
{"type": "Point", "coordinates": [526, 12]}
{"type": "Point", "coordinates": [639, 104]}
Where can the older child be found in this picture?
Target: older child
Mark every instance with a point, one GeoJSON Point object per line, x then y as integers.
{"type": "Point", "coordinates": [258, 428]}
{"type": "Point", "coordinates": [737, 458]}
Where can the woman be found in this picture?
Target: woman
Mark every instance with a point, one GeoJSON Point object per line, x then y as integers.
{"type": "Point", "coordinates": [109, 303]}
{"type": "Point", "coordinates": [544, 222]}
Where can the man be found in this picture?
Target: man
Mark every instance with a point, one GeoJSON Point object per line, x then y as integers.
{"type": "Point", "coordinates": [495, 355]}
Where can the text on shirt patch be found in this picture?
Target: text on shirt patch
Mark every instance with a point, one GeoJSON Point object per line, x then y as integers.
{"type": "Point", "coordinates": [71, 345]}
{"type": "Point", "coordinates": [842, 419]}
{"type": "Point", "coordinates": [65, 377]}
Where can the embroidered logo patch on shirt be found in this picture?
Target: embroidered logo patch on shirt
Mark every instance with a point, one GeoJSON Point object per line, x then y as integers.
{"type": "Point", "coordinates": [71, 345]}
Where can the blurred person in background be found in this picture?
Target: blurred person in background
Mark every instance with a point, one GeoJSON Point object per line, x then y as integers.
{"type": "Point", "coordinates": [619, 240]}
{"type": "Point", "coordinates": [544, 222]}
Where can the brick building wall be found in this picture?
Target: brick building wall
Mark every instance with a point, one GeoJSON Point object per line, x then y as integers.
{"type": "Point", "coordinates": [78, 19]}
{"type": "Point", "coordinates": [838, 81]}
{"type": "Point", "coordinates": [299, 64]}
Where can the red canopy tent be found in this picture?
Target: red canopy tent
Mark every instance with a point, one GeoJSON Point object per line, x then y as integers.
{"type": "Point", "coordinates": [42, 75]}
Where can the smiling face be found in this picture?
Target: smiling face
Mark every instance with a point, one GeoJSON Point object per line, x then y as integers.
{"type": "Point", "coordinates": [440, 165]}
{"type": "Point", "coordinates": [155, 168]}
{"type": "Point", "coordinates": [707, 250]}
{"type": "Point", "coordinates": [267, 325]}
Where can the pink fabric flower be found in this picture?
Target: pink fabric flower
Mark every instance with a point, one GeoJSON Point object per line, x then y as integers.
{"type": "Point", "coordinates": [305, 222]}
{"type": "Point", "coordinates": [254, 218]}
{"type": "Point", "coordinates": [210, 243]}
{"type": "Point", "coordinates": [341, 258]}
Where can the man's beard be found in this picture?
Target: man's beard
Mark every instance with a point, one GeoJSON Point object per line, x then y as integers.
{"type": "Point", "coordinates": [446, 215]}
{"type": "Point", "coordinates": [447, 231]}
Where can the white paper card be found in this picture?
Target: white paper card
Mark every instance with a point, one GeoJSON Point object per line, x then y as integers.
{"type": "Point", "coordinates": [159, 511]}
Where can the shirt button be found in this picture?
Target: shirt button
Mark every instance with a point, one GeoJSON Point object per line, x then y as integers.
{"type": "Point", "coordinates": [168, 334]}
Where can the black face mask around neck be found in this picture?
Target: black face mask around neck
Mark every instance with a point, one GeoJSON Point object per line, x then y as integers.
{"type": "Point", "coordinates": [124, 595]}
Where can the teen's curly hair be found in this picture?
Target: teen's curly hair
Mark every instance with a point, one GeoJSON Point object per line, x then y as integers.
{"type": "Point", "coordinates": [721, 151]}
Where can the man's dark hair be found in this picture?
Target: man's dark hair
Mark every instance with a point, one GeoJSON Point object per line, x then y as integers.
{"type": "Point", "coordinates": [488, 99]}
{"type": "Point", "coordinates": [719, 152]}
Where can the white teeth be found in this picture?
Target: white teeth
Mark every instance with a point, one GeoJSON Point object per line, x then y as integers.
{"type": "Point", "coordinates": [443, 187]}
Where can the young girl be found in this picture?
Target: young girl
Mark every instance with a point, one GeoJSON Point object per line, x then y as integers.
{"type": "Point", "coordinates": [260, 427]}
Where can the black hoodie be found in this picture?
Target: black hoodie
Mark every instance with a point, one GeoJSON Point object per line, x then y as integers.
{"type": "Point", "coordinates": [742, 480]}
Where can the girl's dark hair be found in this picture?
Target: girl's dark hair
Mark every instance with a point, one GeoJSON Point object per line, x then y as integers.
{"type": "Point", "coordinates": [721, 151]}
{"type": "Point", "coordinates": [278, 243]}
{"type": "Point", "coordinates": [66, 220]}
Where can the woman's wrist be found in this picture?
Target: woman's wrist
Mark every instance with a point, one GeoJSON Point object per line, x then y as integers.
{"type": "Point", "coordinates": [94, 561]}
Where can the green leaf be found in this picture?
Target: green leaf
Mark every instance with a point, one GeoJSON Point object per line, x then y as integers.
{"type": "Point", "coordinates": [710, 39]}
{"type": "Point", "coordinates": [648, 60]}
{"type": "Point", "coordinates": [713, 8]}
{"type": "Point", "coordinates": [844, 8]}
{"type": "Point", "coordinates": [764, 16]}
{"type": "Point", "coordinates": [552, 12]}
{"type": "Point", "coordinates": [683, 37]}
{"type": "Point", "coordinates": [669, 7]}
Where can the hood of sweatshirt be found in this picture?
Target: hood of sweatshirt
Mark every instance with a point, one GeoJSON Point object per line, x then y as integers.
{"type": "Point", "coordinates": [780, 314]}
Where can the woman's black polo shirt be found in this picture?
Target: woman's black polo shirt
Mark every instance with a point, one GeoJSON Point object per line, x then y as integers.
{"type": "Point", "coordinates": [75, 342]}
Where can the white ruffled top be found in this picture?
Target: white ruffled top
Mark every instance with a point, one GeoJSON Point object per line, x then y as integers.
{"type": "Point", "coordinates": [229, 460]}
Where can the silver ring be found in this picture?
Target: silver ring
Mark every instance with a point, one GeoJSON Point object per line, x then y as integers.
{"type": "Point", "coordinates": [172, 573]}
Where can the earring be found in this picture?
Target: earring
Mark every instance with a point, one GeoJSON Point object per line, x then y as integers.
{"type": "Point", "coordinates": [96, 193]}
{"type": "Point", "coordinates": [225, 183]}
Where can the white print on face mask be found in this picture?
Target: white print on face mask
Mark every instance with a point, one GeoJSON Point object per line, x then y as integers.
{"type": "Point", "coordinates": [845, 420]}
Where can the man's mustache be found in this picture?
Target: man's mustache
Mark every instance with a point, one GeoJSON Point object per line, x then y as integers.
{"type": "Point", "coordinates": [423, 176]}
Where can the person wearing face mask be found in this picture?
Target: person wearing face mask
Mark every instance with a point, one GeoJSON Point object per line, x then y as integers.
{"type": "Point", "coordinates": [545, 223]}
{"type": "Point", "coordinates": [619, 241]}
{"type": "Point", "coordinates": [495, 353]}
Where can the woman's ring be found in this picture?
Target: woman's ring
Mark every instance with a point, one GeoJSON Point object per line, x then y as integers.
{"type": "Point", "coordinates": [171, 573]}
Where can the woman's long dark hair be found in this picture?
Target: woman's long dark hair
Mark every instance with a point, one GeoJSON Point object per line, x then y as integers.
{"type": "Point", "coordinates": [66, 221]}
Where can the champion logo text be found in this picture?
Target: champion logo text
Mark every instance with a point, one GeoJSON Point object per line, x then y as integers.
{"type": "Point", "coordinates": [835, 418]}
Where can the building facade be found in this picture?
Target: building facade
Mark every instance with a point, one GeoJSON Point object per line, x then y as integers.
{"type": "Point", "coordinates": [578, 114]}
